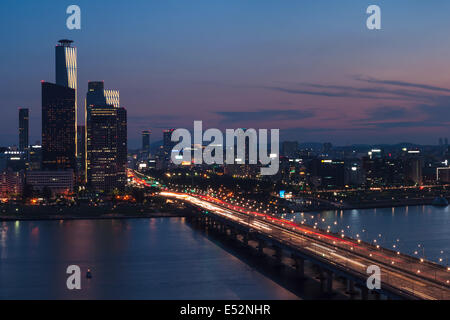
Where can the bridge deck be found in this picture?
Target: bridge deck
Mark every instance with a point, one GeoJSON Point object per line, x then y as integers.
{"type": "Point", "coordinates": [408, 275]}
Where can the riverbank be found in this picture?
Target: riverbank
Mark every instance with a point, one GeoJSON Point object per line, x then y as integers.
{"type": "Point", "coordinates": [90, 217]}
{"type": "Point", "coordinates": [109, 211]}
{"type": "Point", "coordinates": [388, 204]}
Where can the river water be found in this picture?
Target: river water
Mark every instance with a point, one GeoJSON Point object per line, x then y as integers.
{"type": "Point", "coordinates": [164, 258]}
{"type": "Point", "coordinates": [421, 231]}
{"type": "Point", "coordinates": [161, 258]}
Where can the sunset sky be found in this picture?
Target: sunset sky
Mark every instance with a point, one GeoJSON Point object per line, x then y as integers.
{"type": "Point", "coordinates": [310, 68]}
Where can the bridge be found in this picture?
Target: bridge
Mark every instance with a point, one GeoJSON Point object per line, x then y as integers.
{"type": "Point", "coordinates": [402, 276]}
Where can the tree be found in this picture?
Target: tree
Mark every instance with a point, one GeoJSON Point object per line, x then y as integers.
{"type": "Point", "coordinates": [47, 193]}
{"type": "Point", "coordinates": [139, 195]}
{"type": "Point", "coordinates": [27, 192]}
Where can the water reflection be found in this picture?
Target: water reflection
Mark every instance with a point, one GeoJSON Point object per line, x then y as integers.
{"type": "Point", "coordinates": [129, 259]}
{"type": "Point", "coordinates": [404, 227]}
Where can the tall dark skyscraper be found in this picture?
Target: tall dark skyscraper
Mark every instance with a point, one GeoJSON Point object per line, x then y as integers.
{"type": "Point", "coordinates": [66, 71]}
{"type": "Point", "coordinates": [23, 129]}
{"type": "Point", "coordinates": [146, 141]}
{"type": "Point", "coordinates": [59, 112]}
{"type": "Point", "coordinates": [81, 153]}
{"type": "Point", "coordinates": [58, 127]}
{"type": "Point", "coordinates": [122, 150]}
{"type": "Point", "coordinates": [66, 64]}
{"type": "Point", "coordinates": [106, 140]}
{"type": "Point", "coordinates": [167, 140]}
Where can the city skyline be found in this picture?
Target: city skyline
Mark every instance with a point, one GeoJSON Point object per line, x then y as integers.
{"type": "Point", "coordinates": [322, 84]}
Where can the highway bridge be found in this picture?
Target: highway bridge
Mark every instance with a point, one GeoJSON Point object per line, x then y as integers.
{"type": "Point", "coordinates": [402, 276]}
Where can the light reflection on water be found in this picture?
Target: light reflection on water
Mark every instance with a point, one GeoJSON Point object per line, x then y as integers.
{"type": "Point", "coordinates": [426, 226]}
{"type": "Point", "coordinates": [129, 259]}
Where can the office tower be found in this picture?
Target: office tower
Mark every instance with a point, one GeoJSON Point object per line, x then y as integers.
{"type": "Point", "coordinates": [34, 158]}
{"type": "Point", "coordinates": [146, 141]}
{"type": "Point", "coordinates": [122, 150]}
{"type": "Point", "coordinates": [167, 140]}
{"type": "Point", "coordinates": [66, 64]}
{"type": "Point", "coordinates": [81, 149]}
{"type": "Point", "coordinates": [96, 93]}
{"type": "Point", "coordinates": [66, 71]}
{"type": "Point", "coordinates": [167, 146]}
{"type": "Point", "coordinates": [58, 127]}
{"type": "Point", "coordinates": [106, 141]}
{"type": "Point", "coordinates": [112, 97]}
{"type": "Point", "coordinates": [23, 129]}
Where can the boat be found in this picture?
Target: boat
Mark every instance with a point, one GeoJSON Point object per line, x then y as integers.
{"type": "Point", "coordinates": [440, 202]}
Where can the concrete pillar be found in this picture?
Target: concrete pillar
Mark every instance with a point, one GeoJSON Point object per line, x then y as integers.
{"type": "Point", "coordinates": [245, 239]}
{"type": "Point", "coordinates": [261, 247]}
{"type": "Point", "coordinates": [364, 293]}
{"type": "Point", "coordinates": [322, 279]}
{"type": "Point", "coordinates": [300, 266]}
{"type": "Point", "coordinates": [278, 256]}
{"type": "Point", "coordinates": [329, 282]}
{"type": "Point", "coordinates": [350, 287]}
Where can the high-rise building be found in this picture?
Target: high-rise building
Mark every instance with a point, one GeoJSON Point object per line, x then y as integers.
{"type": "Point", "coordinates": [66, 64]}
{"type": "Point", "coordinates": [66, 71]}
{"type": "Point", "coordinates": [122, 149]}
{"type": "Point", "coordinates": [112, 97]}
{"type": "Point", "coordinates": [106, 141]}
{"type": "Point", "coordinates": [167, 146]}
{"type": "Point", "coordinates": [34, 157]}
{"type": "Point", "coordinates": [59, 111]}
{"type": "Point", "coordinates": [23, 129]}
{"type": "Point", "coordinates": [81, 150]}
{"type": "Point", "coordinates": [58, 127]}
{"type": "Point", "coordinates": [146, 141]}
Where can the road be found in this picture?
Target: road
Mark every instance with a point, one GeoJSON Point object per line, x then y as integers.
{"type": "Point", "coordinates": [420, 278]}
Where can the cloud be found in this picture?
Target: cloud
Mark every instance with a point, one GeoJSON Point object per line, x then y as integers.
{"type": "Point", "coordinates": [401, 83]}
{"type": "Point", "coordinates": [380, 90]}
{"type": "Point", "coordinates": [386, 113]}
{"type": "Point", "coordinates": [263, 115]}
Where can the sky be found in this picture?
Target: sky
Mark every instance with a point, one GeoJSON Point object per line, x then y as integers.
{"type": "Point", "coordinates": [310, 68]}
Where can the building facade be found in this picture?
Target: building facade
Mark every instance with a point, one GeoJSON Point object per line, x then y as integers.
{"type": "Point", "coordinates": [23, 129]}
{"type": "Point", "coordinates": [58, 127]}
{"type": "Point", "coordinates": [59, 182]}
{"type": "Point", "coordinates": [106, 141]}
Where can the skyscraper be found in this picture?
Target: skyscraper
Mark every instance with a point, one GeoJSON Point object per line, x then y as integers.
{"type": "Point", "coordinates": [112, 97]}
{"type": "Point", "coordinates": [122, 150]}
{"type": "Point", "coordinates": [81, 157]}
{"type": "Point", "coordinates": [66, 64]}
{"type": "Point", "coordinates": [59, 112]}
{"type": "Point", "coordinates": [66, 71]}
{"type": "Point", "coordinates": [146, 141]}
{"type": "Point", "coordinates": [23, 129]}
{"type": "Point", "coordinates": [106, 140]}
{"type": "Point", "coordinates": [58, 127]}
{"type": "Point", "coordinates": [167, 140]}
{"type": "Point", "coordinates": [167, 146]}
